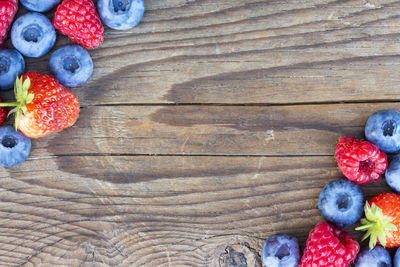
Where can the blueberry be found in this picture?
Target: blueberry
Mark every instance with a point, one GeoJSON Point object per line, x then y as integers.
{"type": "Point", "coordinates": [281, 251]}
{"type": "Point", "coordinates": [396, 259]}
{"type": "Point", "coordinates": [33, 34]}
{"type": "Point", "coordinates": [377, 257]}
{"type": "Point", "coordinates": [383, 130]}
{"type": "Point", "coordinates": [12, 64]}
{"type": "Point", "coordinates": [39, 5]}
{"type": "Point", "coordinates": [121, 14]}
{"type": "Point", "coordinates": [392, 173]}
{"type": "Point", "coordinates": [71, 65]}
{"type": "Point", "coordinates": [341, 202]}
{"type": "Point", "coordinates": [14, 146]}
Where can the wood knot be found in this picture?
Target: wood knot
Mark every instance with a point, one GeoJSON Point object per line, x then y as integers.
{"type": "Point", "coordinates": [240, 255]}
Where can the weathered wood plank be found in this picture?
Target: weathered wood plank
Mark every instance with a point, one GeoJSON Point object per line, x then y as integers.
{"type": "Point", "coordinates": [156, 211]}
{"type": "Point", "coordinates": [248, 52]}
{"type": "Point", "coordinates": [207, 130]}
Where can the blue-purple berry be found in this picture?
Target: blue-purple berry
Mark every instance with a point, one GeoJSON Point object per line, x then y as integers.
{"type": "Point", "coordinates": [14, 146]}
{"type": "Point", "coordinates": [71, 65]}
{"type": "Point", "coordinates": [377, 257]}
{"type": "Point", "coordinates": [121, 14]}
{"type": "Point", "coordinates": [12, 64]}
{"type": "Point", "coordinates": [281, 251]}
{"type": "Point", "coordinates": [383, 130]}
{"type": "Point", "coordinates": [392, 174]}
{"type": "Point", "coordinates": [33, 35]}
{"type": "Point", "coordinates": [341, 202]}
{"type": "Point", "coordinates": [39, 5]}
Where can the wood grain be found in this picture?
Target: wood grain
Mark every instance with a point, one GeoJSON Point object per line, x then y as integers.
{"type": "Point", "coordinates": [204, 130]}
{"type": "Point", "coordinates": [248, 52]}
{"type": "Point", "coordinates": [193, 214]}
{"type": "Point", "coordinates": [297, 130]}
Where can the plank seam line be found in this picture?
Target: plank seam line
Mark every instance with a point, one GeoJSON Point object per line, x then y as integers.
{"type": "Point", "coordinates": [178, 155]}
{"type": "Point", "coordinates": [383, 101]}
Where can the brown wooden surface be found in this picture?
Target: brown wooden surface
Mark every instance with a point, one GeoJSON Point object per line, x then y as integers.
{"type": "Point", "coordinates": [204, 130]}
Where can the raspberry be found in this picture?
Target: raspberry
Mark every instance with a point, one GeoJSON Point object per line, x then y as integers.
{"type": "Point", "coordinates": [79, 20]}
{"type": "Point", "coordinates": [7, 12]}
{"type": "Point", "coordinates": [3, 113]}
{"type": "Point", "coordinates": [329, 246]}
{"type": "Point", "coordinates": [360, 161]}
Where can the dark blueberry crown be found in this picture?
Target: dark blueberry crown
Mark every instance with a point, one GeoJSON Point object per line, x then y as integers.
{"type": "Point", "coordinates": [282, 252]}
{"type": "Point", "coordinates": [32, 33]}
{"type": "Point", "coordinates": [388, 128]}
{"type": "Point", "coordinates": [343, 201]}
{"type": "Point", "coordinates": [9, 141]}
{"type": "Point", "coordinates": [71, 63]}
{"type": "Point", "coordinates": [121, 6]}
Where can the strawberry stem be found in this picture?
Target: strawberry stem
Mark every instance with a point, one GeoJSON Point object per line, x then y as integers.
{"type": "Point", "coordinates": [12, 104]}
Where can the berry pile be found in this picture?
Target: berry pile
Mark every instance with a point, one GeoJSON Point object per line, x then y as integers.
{"type": "Point", "coordinates": [342, 203]}
{"type": "Point", "coordinates": [43, 103]}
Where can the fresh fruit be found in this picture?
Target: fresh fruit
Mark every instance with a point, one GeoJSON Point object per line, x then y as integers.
{"type": "Point", "coordinates": [14, 147]}
{"type": "Point", "coordinates": [329, 245]}
{"type": "Point", "coordinates": [39, 5]}
{"type": "Point", "coordinates": [360, 161]}
{"type": "Point", "coordinates": [281, 250]}
{"type": "Point", "coordinates": [12, 64]}
{"type": "Point", "coordinates": [383, 130]}
{"type": "Point", "coordinates": [382, 221]}
{"type": "Point", "coordinates": [341, 202]}
{"type": "Point", "coordinates": [3, 113]}
{"type": "Point", "coordinates": [8, 9]}
{"type": "Point", "coordinates": [121, 14]}
{"type": "Point", "coordinates": [377, 257]}
{"type": "Point", "coordinates": [396, 258]}
{"type": "Point", "coordinates": [43, 105]}
{"type": "Point", "coordinates": [33, 35]}
{"type": "Point", "coordinates": [78, 19]}
{"type": "Point", "coordinates": [392, 173]}
{"type": "Point", "coordinates": [71, 65]}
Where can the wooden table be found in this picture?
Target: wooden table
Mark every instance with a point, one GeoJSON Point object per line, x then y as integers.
{"type": "Point", "coordinates": [204, 130]}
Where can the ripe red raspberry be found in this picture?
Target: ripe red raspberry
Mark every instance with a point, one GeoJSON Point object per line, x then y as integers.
{"type": "Point", "coordinates": [329, 246]}
{"type": "Point", "coordinates": [360, 161]}
{"type": "Point", "coordinates": [8, 8]}
{"type": "Point", "coordinates": [3, 112]}
{"type": "Point", "coordinates": [79, 20]}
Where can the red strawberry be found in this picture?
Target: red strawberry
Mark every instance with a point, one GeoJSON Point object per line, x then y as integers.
{"type": "Point", "coordinates": [329, 246]}
{"type": "Point", "coordinates": [382, 220]}
{"type": "Point", "coordinates": [360, 161]}
{"type": "Point", "coordinates": [79, 20]}
{"type": "Point", "coordinates": [43, 105]}
{"type": "Point", "coordinates": [8, 8]}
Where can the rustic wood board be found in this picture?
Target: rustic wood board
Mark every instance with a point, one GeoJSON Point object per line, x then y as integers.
{"type": "Point", "coordinates": [204, 130]}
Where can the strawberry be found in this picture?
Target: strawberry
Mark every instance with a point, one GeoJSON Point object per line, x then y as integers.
{"type": "Point", "coordinates": [329, 246]}
{"type": "Point", "coordinates": [79, 20]}
{"type": "Point", "coordinates": [382, 221]}
{"type": "Point", "coordinates": [43, 105]}
{"type": "Point", "coordinates": [8, 8]}
{"type": "Point", "coordinates": [360, 161]}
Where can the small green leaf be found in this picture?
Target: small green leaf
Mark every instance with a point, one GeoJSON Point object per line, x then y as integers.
{"type": "Point", "coordinates": [29, 98]}
{"type": "Point", "coordinates": [27, 84]}
{"type": "Point", "coordinates": [17, 119]}
{"type": "Point", "coordinates": [382, 239]}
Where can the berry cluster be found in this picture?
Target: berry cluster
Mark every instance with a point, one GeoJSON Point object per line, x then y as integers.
{"type": "Point", "coordinates": [342, 203]}
{"type": "Point", "coordinates": [43, 103]}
